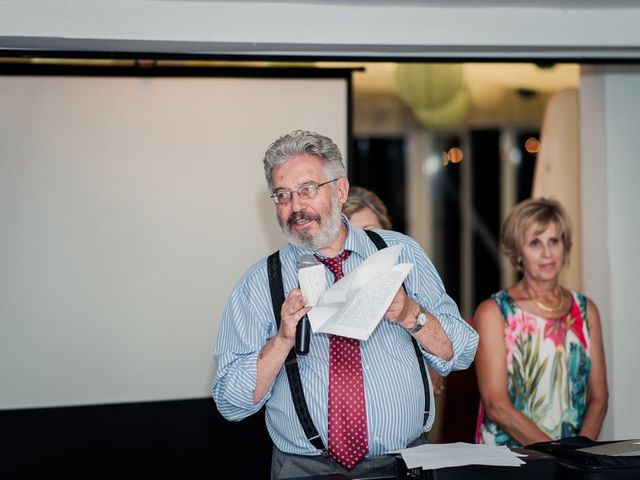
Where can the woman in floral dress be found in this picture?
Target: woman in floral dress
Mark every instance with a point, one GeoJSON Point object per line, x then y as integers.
{"type": "Point", "coordinates": [540, 361]}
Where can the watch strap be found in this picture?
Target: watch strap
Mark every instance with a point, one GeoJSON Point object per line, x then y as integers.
{"type": "Point", "coordinates": [421, 321]}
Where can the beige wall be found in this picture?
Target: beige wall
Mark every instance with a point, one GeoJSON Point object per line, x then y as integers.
{"type": "Point", "coordinates": [557, 173]}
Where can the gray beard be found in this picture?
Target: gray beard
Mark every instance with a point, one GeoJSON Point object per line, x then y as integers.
{"type": "Point", "coordinates": [329, 230]}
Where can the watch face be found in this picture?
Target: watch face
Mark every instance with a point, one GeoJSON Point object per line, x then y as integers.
{"type": "Point", "coordinates": [421, 319]}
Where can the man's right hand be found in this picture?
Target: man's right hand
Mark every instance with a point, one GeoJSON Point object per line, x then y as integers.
{"type": "Point", "coordinates": [292, 311]}
{"type": "Point", "coordinates": [273, 355]}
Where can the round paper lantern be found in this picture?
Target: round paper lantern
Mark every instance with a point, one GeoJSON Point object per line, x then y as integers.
{"type": "Point", "coordinates": [428, 86]}
{"type": "Point", "coordinates": [446, 116]}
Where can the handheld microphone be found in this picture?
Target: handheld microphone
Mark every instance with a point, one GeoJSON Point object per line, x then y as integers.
{"type": "Point", "coordinates": [313, 283]}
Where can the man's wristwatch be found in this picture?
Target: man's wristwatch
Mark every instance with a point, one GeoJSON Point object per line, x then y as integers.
{"type": "Point", "coordinates": [421, 320]}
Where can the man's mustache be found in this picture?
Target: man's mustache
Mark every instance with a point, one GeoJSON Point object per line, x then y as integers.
{"type": "Point", "coordinates": [302, 215]}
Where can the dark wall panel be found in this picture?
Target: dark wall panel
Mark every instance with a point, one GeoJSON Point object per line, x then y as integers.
{"type": "Point", "coordinates": [169, 439]}
{"type": "Point", "coordinates": [379, 165]}
{"type": "Point", "coordinates": [486, 202]}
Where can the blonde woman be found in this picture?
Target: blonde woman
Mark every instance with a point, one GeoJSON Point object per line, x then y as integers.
{"type": "Point", "coordinates": [540, 362]}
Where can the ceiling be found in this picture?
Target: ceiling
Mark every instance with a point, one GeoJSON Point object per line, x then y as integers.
{"type": "Point", "coordinates": [499, 93]}
{"type": "Point", "coordinates": [560, 4]}
{"type": "Point", "coordinates": [380, 77]}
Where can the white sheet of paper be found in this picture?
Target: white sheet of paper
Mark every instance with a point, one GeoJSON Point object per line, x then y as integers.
{"type": "Point", "coordinates": [443, 455]}
{"type": "Point", "coordinates": [313, 283]}
{"type": "Point", "coordinates": [355, 304]}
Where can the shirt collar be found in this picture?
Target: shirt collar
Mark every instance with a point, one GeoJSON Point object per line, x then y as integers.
{"type": "Point", "coordinates": [357, 241]}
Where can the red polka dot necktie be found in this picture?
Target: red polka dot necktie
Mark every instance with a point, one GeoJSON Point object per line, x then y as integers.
{"type": "Point", "coordinates": [347, 411]}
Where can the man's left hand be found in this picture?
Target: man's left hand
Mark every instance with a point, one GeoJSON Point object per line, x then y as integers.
{"type": "Point", "coordinates": [402, 310]}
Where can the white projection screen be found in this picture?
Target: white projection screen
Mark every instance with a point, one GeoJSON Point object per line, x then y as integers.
{"type": "Point", "coordinates": [129, 207]}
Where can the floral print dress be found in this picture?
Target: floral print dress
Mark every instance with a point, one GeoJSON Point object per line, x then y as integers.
{"type": "Point", "coordinates": [548, 363]}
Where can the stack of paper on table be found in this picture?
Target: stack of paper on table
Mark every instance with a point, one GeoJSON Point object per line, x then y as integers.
{"type": "Point", "coordinates": [627, 448]}
{"type": "Point", "coordinates": [356, 303]}
{"type": "Point", "coordinates": [443, 455]}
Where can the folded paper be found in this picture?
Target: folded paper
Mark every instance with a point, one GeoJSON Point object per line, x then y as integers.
{"type": "Point", "coordinates": [356, 303]}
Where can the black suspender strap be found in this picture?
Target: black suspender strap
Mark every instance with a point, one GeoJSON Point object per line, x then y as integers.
{"type": "Point", "coordinates": [380, 243]}
{"type": "Point", "coordinates": [291, 363]}
{"type": "Point", "coordinates": [377, 240]}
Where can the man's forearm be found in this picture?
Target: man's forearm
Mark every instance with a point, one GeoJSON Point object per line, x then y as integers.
{"type": "Point", "coordinates": [270, 360]}
{"type": "Point", "coordinates": [434, 339]}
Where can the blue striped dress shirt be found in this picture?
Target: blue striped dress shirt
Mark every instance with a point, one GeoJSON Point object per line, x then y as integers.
{"type": "Point", "coordinates": [393, 384]}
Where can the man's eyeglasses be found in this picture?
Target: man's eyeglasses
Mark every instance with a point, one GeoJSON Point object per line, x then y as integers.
{"type": "Point", "coordinates": [306, 191]}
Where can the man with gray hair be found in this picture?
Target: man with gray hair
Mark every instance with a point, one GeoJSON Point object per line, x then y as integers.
{"type": "Point", "coordinates": [362, 398]}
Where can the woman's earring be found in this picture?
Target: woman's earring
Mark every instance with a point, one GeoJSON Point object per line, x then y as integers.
{"type": "Point", "coordinates": [519, 267]}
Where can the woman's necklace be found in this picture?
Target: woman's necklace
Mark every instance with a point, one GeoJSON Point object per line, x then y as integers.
{"type": "Point", "coordinates": [542, 306]}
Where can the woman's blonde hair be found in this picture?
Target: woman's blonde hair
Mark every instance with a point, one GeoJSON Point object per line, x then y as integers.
{"type": "Point", "coordinates": [360, 198]}
{"type": "Point", "coordinates": [542, 211]}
